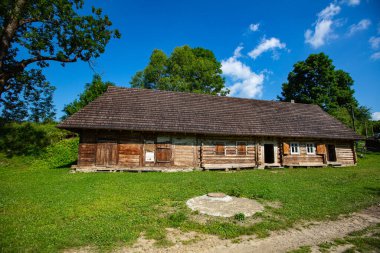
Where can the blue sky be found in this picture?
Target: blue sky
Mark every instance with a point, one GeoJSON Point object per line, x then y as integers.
{"type": "Point", "coordinates": [257, 42]}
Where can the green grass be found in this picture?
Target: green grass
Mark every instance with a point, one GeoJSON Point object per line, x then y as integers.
{"type": "Point", "coordinates": [45, 208]}
{"type": "Point", "coordinates": [366, 240]}
{"type": "Point", "coordinates": [303, 249]}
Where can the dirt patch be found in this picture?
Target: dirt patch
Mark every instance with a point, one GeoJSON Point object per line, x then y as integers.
{"type": "Point", "coordinates": [280, 241]}
{"type": "Point", "coordinates": [225, 206]}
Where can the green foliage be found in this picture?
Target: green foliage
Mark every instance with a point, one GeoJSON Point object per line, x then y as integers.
{"type": "Point", "coordinates": [239, 216]}
{"type": "Point", "coordinates": [376, 126]}
{"type": "Point", "coordinates": [44, 209]}
{"type": "Point", "coordinates": [67, 150]}
{"type": "Point", "coordinates": [28, 138]}
{"type": "Point", "coordinates": [35, 103]}
{"type": "Point", "coordinates": [361, 118]}
{"type": "Point", "coordinates": [366, 240]}
{"type": "Point", "coordinates": [186, 69]}
{"type": "Point", "coordinates": [92, 90]}
{"type": "Point", "coordinates": [303, 249]}
{"type": "Point", "coordinates": [177, 218]}
{"type": "Point", "coordinates": [315, 81]}
{"type": "Point", "coordinates": [236, 192]}
{"type": "Point", "coordinates": [34, 33]}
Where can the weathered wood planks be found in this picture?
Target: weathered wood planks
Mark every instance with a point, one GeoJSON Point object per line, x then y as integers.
{"type": "Point", "coordinates": [125, 149]}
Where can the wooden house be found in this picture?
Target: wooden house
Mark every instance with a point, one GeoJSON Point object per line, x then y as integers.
{"type": "Point", "coordinates": [140, 129]}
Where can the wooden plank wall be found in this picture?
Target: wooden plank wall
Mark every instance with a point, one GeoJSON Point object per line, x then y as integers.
{"type": "Point", "coordinates": [131, 148]}
{"type": "Point", "coordinates": [344, 153]}
{"type": "Point", "coordinates": [303, 158]}
{"type": "Point", "coordinates": [87, 149]}
{"type": "Point", "coordinates": [184, 151]}
{"type": "Point", "coordinates": [191, 151]}
{"type": "Point", "coordinates": [211, 160]}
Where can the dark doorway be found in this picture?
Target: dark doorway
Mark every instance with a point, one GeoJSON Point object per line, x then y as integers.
{"type": "Point", "coordinates": [331, 153]}
{"type": "Point", "coordinates": [268, 153]}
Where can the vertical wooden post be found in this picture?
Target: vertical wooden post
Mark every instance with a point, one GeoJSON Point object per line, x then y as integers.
{"type": "Point", "coordinates": [201, 155]}
{"type": "Point", "coordinates": [281, 151]}
{"type": "Point", "coordinates": [257, 153]}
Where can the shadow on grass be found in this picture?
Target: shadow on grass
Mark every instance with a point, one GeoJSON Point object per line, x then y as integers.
{"type": "Point", "coordinates": [373, 190]}
{"type": "Point", "coordinates": [66, 166]}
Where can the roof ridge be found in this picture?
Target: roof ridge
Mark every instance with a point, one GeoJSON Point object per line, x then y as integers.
{"type": "Point", "coordinates": [204, 94]}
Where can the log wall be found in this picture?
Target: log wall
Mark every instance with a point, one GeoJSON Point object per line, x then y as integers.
{"type": "Point", "coordinates": [345, 153]}
{"type": "Point", "coordinates": [212, 156]}
{"type": "Point", "coordinates": [302, 159]}
{"type": "Point", "coordinates": [128, 149]}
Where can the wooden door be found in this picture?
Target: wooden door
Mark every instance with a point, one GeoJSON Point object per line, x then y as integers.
{"type": "Point", "coordinates": [106, 154]}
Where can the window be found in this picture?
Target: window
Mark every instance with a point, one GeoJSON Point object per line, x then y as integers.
{"type": "Point", "coordinates": [219, 148]}
{"type": "Point", "coordinates": [310, 148]}
{"type": "Point", "coordinates": [241, 147]}
{"type": "Point", "coordinates": [163, 155]}
{"type": "Point", "coordinates": [294, 148]}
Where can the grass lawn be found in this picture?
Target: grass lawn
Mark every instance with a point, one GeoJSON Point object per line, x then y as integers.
{"type": "Point", "coordinates": [45, 208]}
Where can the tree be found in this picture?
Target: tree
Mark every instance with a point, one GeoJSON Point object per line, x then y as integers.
{"type": "Point", "coordinates": [186, 69]}
{"type": "Point", "coordinates": [36, 32]}
{"type": "Point", "coordinates": [315, 81]}
{"type": "Point", "coordinates": [361, 117]}
{"type": "Point", "coordinates": [376, 126]}
{"type": "Point", "coordinates": [36, 102]}
{"type": "Point", "coordinates": [92, 90]}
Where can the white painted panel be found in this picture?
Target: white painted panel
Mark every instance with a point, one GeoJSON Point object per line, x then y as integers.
{"type": "Point", "coordinates": [149, 156]}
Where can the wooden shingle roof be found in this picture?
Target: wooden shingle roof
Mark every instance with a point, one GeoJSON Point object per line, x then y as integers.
{"type": "Point", "coordinates": [165, 111]}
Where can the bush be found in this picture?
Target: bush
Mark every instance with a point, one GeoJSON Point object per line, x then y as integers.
{"type": "Point", "coordinates": [239, 216]}
{"type": "Point", "coordinates": [29, 138]}
{"type": "Point", "coordinates": [61, 154]}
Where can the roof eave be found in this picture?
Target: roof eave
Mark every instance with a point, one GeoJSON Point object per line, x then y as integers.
{"type": "Point", "coordinates": [78, 128]}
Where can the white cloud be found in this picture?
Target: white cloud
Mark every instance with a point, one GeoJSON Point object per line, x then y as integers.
{"type": "Point", "coordinates": [237, 51]}
{"type": "Point", "coordinates": [267, 45]}
{"type": "Point", "coordinates": [376, 116]}
{"type": "Point", "coordinates": [244, 82]}
{"type": "Point", "coordinates": [254, 27]}
{"type": "Point", "coordinates": [323, 26]}
{"type": "Point", "coordinates": [351, 2]}
{"type": "Point", "coordinates": [374, 42]}
{"type": "Point", "coordinates": [329, 12]}
{"type": "Point", "coordinates": [375, 56]}
{"type": "Point", "coordinates": [362, 25]}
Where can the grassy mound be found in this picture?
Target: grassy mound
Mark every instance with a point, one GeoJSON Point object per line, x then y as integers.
{"type": "Point", "coordinates": [29, 138]}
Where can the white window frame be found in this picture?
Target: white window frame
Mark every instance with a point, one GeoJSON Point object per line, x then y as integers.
{"type": "Point", "coordinates": [230, 146]}
{"type": "Point", "coordinates": [291, 148]}
{"type": "Point", "coordinates": [313, 148]}
{"type": "Point", "coordinates": [246, 147]}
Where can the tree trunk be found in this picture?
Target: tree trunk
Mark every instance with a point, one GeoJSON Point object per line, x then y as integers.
{"type": "Point", "coordinates": [10, 28]}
